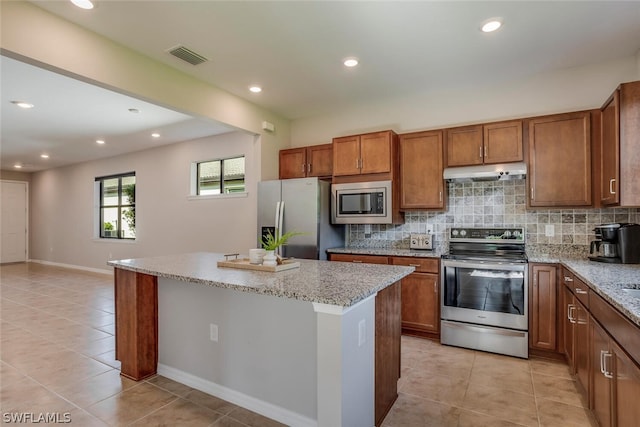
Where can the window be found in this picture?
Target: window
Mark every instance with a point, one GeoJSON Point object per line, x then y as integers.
{"type": "Point", "coordinates": [118, 206]}
{"type": "Point", "coordinates": [222, 176]}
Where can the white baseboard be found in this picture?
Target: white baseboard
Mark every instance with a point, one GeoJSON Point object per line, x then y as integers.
{"type": "Point", "coordinates": [72, 266]}
{"type": "Point", "coordinates": [261, 407]}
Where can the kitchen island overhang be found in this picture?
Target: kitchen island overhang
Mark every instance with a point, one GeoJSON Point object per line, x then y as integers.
{"type": "Point", "coordinates": [304, 346]}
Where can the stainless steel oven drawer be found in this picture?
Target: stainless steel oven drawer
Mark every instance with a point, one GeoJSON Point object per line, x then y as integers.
{"type": "Point", "coordinates": [485, 338]}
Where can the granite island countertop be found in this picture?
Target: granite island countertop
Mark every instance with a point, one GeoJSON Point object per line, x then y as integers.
{"type": "Point", "coordinates": [322, 282]}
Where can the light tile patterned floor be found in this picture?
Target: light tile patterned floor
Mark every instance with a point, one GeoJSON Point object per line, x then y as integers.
{"type": "Point", "coordinates": [57, 356]}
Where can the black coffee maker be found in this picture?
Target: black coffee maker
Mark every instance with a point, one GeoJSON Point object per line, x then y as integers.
{"type": "Point", "coordinates": [616, 243]}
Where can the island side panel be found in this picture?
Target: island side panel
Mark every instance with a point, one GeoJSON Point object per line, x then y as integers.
{"type": "Point", "coordinates": [136, 304]}
{"type": "Point", "coordinates": [387, 351]}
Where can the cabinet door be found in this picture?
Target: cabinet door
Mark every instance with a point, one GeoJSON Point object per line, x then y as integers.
{"type": "Point", "coordinates": [421, 166]}
{"type": "Point", "coordinates": [601, 387]}
{"type": "Point", "coordinates": [627, 389]}
{"type": "Point", "coordinates": [503, 142]}
{"type": "Point", "coordinates": [420, 302]}
{"type": "Point", "coordinates": [542, 306]}
{"type": "Point", "coordinates": [320, 160]}
{"type": "Point", "coordinates": [581, 343]}
{"type": "Point", "coordinates": [569, 308]}
{"type": "Point", "coordinates": [293, 163]}
{"type": "Point", "coordinates": [609, 152]}
{"type": "Point", "coordinates": [375, 152]}
{"type": "Point", "coordinates": [560, 160]}
{"type": "Point", "coordinates": [464, 146]}
{"type": "Point", "coordinates": [346, 155]}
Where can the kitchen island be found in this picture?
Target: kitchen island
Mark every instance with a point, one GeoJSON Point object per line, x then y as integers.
{"type": "Point", "coordinates": [316, 345]}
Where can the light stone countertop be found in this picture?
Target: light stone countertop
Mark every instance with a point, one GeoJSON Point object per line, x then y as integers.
{"type": "Point", "coordinates": [335, 283]}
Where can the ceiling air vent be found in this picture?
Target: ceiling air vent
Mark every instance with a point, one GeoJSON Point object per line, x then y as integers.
{"type": "Point", "coordinates": [187, 55]}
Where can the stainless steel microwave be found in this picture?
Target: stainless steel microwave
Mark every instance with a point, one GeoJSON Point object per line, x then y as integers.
{"type": "Point", "coordinates": [361, 203]}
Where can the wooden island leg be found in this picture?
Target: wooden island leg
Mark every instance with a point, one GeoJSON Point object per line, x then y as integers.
{"type": "Point", "coordinates": [136, 301]}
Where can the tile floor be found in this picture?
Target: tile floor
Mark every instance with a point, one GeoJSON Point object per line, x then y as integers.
{"type": "Point", "coordinates": [57, 356]}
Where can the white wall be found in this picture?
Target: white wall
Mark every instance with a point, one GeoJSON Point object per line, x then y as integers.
{"type": "Point", "coordinates": [565, 90]}
{"type": "Point", "coordinates": [63, 214]}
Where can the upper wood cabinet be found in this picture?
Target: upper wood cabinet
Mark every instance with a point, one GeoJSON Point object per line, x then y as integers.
{"type": "Point", "coordinates": [560, 160]}
{"type": "Point", "coordinates": [421, 167]}
{"type": "Point", "coordinates": [364, 154]}
{"type": "Point", "coordinates": [491, 143]}
{"type": "Point", "coordinates": [315, 160]}
{"type": "Point", "coordinates": [620, 147]}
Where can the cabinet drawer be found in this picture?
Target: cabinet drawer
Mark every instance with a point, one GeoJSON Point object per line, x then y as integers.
{"type": "Point", "coordinates": [370, 259]}
{"type": "Point", "coordinates": [422, 265]}
{"type": "Point", "coordinates": [576, 286]}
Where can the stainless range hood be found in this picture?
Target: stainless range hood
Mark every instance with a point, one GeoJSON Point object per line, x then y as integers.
{"type": "Point", "coordinates": [498, 172]}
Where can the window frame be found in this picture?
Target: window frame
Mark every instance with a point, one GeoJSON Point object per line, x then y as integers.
{"type": "Point", "coordinates": [101, 206]}
{"type": "Point", "coordinates": [196, 191]}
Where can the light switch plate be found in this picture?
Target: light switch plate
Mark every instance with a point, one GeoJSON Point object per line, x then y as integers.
{"type": "Point", "coordinates": [421, 241]}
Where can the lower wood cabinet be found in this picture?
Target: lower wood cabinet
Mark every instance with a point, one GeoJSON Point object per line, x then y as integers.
{"type": "Point", "coordinates": [368, 259]}
{"type": "Point", "coordinates": [420, 296]}
{"type": "Point", "coordinates": [543, 305]}
{"type": "Point", "coordinates": [576, 330]}
{"type": "Point", "coordinates": [387, 353]}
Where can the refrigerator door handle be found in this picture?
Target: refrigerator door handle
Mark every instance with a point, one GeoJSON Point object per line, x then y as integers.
{"type": "Point", "coordinates": [279, 226]}
{"type": "Point", "coordinates": [276, 220]}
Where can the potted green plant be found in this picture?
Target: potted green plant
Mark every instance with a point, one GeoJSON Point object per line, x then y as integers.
{"type": "Point", "coordinates": [270, 243]}
{"type": "Point", "coordinates": [109, 230]}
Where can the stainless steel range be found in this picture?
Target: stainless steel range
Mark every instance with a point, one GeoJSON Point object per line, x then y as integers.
{"type": "Point", "coordinates": [485, 291]}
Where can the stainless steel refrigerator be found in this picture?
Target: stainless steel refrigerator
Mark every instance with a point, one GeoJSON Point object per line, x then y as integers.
{"type": "Point", "coordinates": [300, 205]}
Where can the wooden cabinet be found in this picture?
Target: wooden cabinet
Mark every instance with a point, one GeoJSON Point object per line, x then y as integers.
{"type": "Point", "coordinates": [576, 329]}
{"type": "Point", "coordinates": [620, 147]}
{"type": "Point", "coordinates": [387, 350]}
{"type": "Point", "coordinates": [364, 154]}
{"type": "Point", "coordinates": [560, 160]}
{"type": "Point", "coordinates": [315, 160]}
{"type": "Point", "coordinates": [369, 259]}
{"type": "Point", "coordinates": [543, 306]}
{"type": "Point", "coordinates": [491, 143]}
{"type": "Point", "coordinates": [421, 167]}
{"type": "Point", "coordinates": [420, 296]}
{"type": "Point", "coordinates": [601, 387]}
{"type": "Point", "coordinates": [626, 388]}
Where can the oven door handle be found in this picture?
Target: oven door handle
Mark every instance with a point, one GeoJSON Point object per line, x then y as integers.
{"type": "Point", "coordinates": [485, 266]}
{"type": "Point", "coordinates": [486, 330]}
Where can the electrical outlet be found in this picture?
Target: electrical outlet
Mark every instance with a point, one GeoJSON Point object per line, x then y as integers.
{"type": "Point", "coordinates": [367, 229]}
{"type": "Point", "coordinates": [362, 332]}
{"type": "Point", "coordinates": [549, 230]}
{"type": "Point", "coordinates": [213, 332]}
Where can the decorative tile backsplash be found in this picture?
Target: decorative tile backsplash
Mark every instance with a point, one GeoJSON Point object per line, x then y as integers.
{"type": "Point", "coordinates": [493, 204]}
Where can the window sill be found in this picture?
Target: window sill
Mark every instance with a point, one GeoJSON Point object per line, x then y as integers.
{"type": "Point", "coordinates": [219, 196]}
{"type": "Point", "coordinates": [107, 240]}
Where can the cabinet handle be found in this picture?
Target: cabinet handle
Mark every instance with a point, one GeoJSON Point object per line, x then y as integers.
{"type": "Point", "coordinates": [308, 167]}
{"type": "Point", "coordinates": [532, 192]}
{"type": "Point", "coordinates": [356, 260]}
{"type": "Point", "coordinates": [303, 167]}
{"type": "Point", "coordinates": [480, 151]}
{"type": "Point", "coordinates": [603, 363]}
{"type": "Point", "coordinates": [568, 279]}
{"type": "Point", "coordinates": [581, 291]}
{"type": "Point", "coordinates": [435, 287]}
{"type": "Point", "coordinates": [441, 196]}
{"type": "Point", "coordinates": [357, 163]}
{"type": "Point", "coordinates": [361, 163]}
{"type": "Point", "coordinates": [486, 151]}
{"type": "Point", "coordinates": [570, 308]}
{"type": "Point", "coordinates": [611, 181]}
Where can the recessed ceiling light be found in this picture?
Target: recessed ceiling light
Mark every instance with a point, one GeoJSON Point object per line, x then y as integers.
{"type": "Point", "coordinates": [255, 89]}
{"type": "Point", "coordinates": [134, 110]}
{"type": "Point", "coordinates": [17, 166]}
{"type": "Point", "coordinates": [83, 4]}
{"type": "Point", "coordinates": [350, 62]}
{"type": "Point", "coordinates": [491, 25]}
{"type": "Point", "coordinates": [22, 104]}
{"type": "Point", "coordinates": [155, 135]}
{"type": "Point", "coordinates": [44, 156]}
{"type": "Point", "coordinates": [100, 141]}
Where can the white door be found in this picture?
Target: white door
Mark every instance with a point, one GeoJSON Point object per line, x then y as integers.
{"type": "Point", "coordinates": [13, 222]}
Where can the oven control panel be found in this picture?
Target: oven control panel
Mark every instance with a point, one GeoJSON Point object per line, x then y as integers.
{"type": "Point", "coordinates": [487, 234]}
{"type": "Point", "coordinates": [421, 241]}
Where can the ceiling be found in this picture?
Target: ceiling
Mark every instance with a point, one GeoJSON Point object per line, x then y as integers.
{"type": "Point", "coordinates": [294, 50]}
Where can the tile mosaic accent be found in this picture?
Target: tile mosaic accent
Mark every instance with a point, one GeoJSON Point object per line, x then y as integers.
{"type": "Point", "coordinates": [493, 204]}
